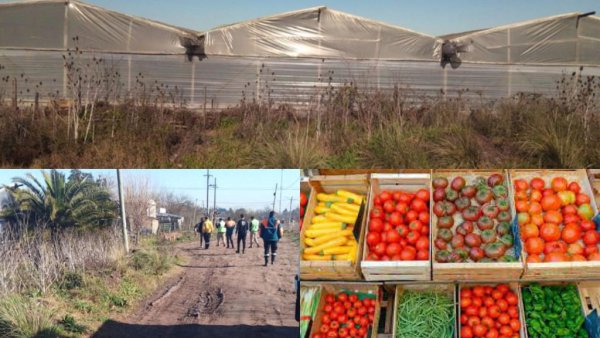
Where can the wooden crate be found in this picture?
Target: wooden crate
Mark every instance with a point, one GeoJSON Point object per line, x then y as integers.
{"type": "Point", "coordinates": [559, 270]}
{"type": "Point", "coordinates": [348, 287]}
{"type": "Point", "coordinates": [449, 289]}
{"type": "Point", "coordinates": [334, 270]}
{"type": "Point", "coordinates": [594, 176]}
{"type": "Point", "coordinates": [396, 270]}
{"type": "Point", "coordinates": [589, 292]}
{"type": "Point", "coordinates": [522, 307]}
{"type": "Point", "coordinates": [514, 287]}
{"type": "Point", "coordinates": [305, 188]}
{"type": "Point", "coordinates": [472, 271]}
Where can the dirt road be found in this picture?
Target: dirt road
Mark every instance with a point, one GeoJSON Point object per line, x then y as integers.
{"type": "Point", "coordinates": [219, 294]}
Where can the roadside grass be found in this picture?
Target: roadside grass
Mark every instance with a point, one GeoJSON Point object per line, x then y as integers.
{"type": "Point", "coordinates": [81, 301]}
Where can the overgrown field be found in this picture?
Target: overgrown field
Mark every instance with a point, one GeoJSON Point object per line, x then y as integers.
{"type": "Point", "coordinates": [345, 127]}
{"type": "Point", "coordinates": [66, 285]}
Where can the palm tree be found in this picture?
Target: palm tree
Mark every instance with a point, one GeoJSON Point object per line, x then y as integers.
{"type": "Point", "coordinates": [59, 202]}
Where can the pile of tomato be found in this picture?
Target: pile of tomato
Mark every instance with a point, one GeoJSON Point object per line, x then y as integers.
{"type": "Point", "coordinates": [399, 226]}
{"type": "Point", "coordinates": [555, 221]}
{"type": "Point", "coordinates": [489, 312]}
{"type": "Point", "coordinates": [303, 203]}
{"type": "Point", "coordinates": [345, 315]}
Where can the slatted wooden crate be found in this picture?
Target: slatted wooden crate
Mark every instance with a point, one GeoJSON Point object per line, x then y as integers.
{"type": "Point", "coordinates": [559, 270]}
{"type": "Point", "coordinates": [514, 287]}
{"type": "Point", "coordinates": [334, 270]}
{"type": "Point", "coordinates": [372, 289]}
{"type": "Point", "coordinates": [594, 176]}
{"type": "Point", "coordinates": [305, 188]}
{"type": "Point", "coordinates": [472, 271]}
{"type": "Point", "coordinates": [396, 270]}
{"type": "Point", "coordinates": [449, 289]}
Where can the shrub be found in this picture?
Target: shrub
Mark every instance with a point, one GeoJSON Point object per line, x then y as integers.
{"type": "Point", "coordinates": [151, 262]}
{"type": "Point", "coordinates": [21, 316]}
{"type": "Point", "coordinates": [69, 324]}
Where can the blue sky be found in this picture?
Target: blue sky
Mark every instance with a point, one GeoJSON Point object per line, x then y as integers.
{"type": "Point", "coordinates": [236, 188]}
{"type": "Point", "coordinates": [431, 17]}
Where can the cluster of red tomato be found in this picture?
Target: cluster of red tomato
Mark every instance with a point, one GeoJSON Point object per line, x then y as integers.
{"type": "Point", "coordinates": [555, 222]}
{"type": "Point", "coordinates": [345, 315]}
{"type": "Point", "coordinates": [489, 312]}
{"type": "Point", "coordinates": [399, 226]}
{"type": "Point", "coordinates": [303, 203]}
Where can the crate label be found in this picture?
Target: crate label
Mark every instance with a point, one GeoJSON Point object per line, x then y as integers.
{"type": "Point", "coordinates": [516, 237]}
{"type": "Point", "coordinates": [592, 324]}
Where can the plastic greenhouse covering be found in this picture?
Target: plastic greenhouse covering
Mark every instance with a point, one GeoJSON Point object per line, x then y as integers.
{"type": "Point", "coordinates": [290, 57]}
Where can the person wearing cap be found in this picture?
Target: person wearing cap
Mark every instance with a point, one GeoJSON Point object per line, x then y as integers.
{"type": "Point", "coordinates": [270, 232]}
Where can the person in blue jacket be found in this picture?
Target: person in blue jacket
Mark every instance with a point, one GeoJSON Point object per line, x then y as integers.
{"type": "Point", "coordinates": [271, 233]}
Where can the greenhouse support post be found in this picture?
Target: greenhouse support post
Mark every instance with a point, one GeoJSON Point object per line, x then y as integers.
{"type": "Point", "coordinates": [377, 52]}
{"type": "Point", "coordinates": [129, 58]}
{"type": "Point", "coordinates": [123, 215]}
{"type": "Point", "coordinates": [193, 84]}
{"type": "Point", "coordinates": [65, 46]}
{"type": "Point", "coordinates": [509, 59]}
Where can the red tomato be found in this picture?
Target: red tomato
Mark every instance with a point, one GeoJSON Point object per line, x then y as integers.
{"type": "Point", "coordinates": [343, 332]}
{"type": "Point", "coordinates": [559, 184]}
{"type": "Point", "coordinates": [402, 208]}
{"type": "Point", "coordinates": [393, 249]}
{"type": "Point", "coordinates": [515, 325]}
{"type": "Point", "coordinates": [483, 312]}
{"type": "Point", "coordinates": [377, 213]}
{"type": "Point", "coordinates": [478, 291]}
{"type": "Point", "coordinates": [329, 298]}
{"type": "Point", "coordinates": [492, 333]}
{"type": "Point", "coordinates": [594, 256]}
{"type": "Point", "coordinates": [591, 237]}
{"type": "Point", "coordinates": [385, 196]}
{"type": "Point", "coordinates": [537, 183]}
{"type": "Point", "coordinates": [373, 238]}
{"type": "Point", "coordinates": [422, 243]}
{"type": "Point", "coordinates": [463, 319]}
{"type": "Point", "coordinates": [376, 225]}
{"type": "Point", "coordinates": [396, 218]}
{"type": "Point", "coordinates": [587, 225]}
{"type": "Point", "coordinates": [422, 194]}
{"type": "Point", "coordinates": [582, 199]}
{"type": "Point", "coordinates": [422, 255]}
{"type": "Point", "coordinates": [465, 302]}
{"type": "Point", "coordinates": [418, 205]}
{"type": "Point", "coordinates": [505, 330]}
{"type": "Point", "coordinates": [511, 298]}
{"type": "Point", "coordinates": [334, 325]}
{"type": "Point", "coordinates": [504, 319]}
{"type": "Point", "coordinates": [408, 254]}
{"type": "Point", "coordinates": [424, 217]}
{"type": "Point", "coordinates": [574, 187]}
{"type": "Point", "coordinates": [502, 304]}
{"type": "Point", "coordinates": [412, 237]}
{"type": "Point", "coordinates": [415, 225]}
{"type": "Point", "coordinates": [521, 184]}
{"type": "Point", "coordinates": [317, 335]}
{"type": "Point", "coordinates": [494, 311]}
{"type": "Point", "coordinates": [328, 308]}
{"type": "Point", "coordinates": [466, 332]}
{"type": "Point", "coordinates": [473, 321]}
{"type": "Point", "coordinates": [488, 301]}
{"type": "Point", "coordinates": [472, 310]}
{"type": "Point", "coordinates": [513, 312]}
{"type": "Point", "coordinates": [496, 294]}
{"type": "Point", "coordinates": [393, 236]}
{"type": "Point", "coordinates": [480, 330]}
{"type": "Point", "coordinates": [380, 248]}
{"type": "Point", "coordinates": [571, 233]}
{"type": "Point", "coordinates": [324, 328]}
{"type": "Point", "coordinates": [388, 206]}
{"type": "Point", "coordinates": [487, 321]}
{"type": "Point", "coordinates": [590, 250]}
{"type": "Point", "coordinates": [412, 215]}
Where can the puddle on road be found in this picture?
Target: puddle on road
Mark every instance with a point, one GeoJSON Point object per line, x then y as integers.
{"type": "Point", "coordinates": [207, 303]}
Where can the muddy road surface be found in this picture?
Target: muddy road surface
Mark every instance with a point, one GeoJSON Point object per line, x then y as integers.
{"type": "Point", "coordinates": [218, 293]}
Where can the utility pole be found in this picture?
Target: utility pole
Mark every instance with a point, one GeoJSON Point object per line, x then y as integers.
{"type": "Point", "coordinates": [123, 216]}
{"type": "Point", "coordinates": [214, 200]}
{"type": "Point", "coordinates": [208, 176]}
{"type": "Point", "coordinates": [280, 190]}
{"type": "Point", "coordinates": [274, 196]}
{"type": "Point", "coordinates": [290, 209]}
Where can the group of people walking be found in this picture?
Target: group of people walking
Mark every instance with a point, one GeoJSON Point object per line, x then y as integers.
{"type": "Point", "coordinates": [269, 230]}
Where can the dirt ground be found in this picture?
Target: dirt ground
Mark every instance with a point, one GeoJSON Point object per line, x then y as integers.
{"type": "Point", "coordinates": [218, 293]}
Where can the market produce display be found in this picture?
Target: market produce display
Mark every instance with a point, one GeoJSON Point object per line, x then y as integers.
{"type": "Point", "coordinates": [553, 311]}
{"type": "Point", "coordinates": [303, 203]}
{"type": "Point", "coordinates": [347, 314]}
{"type": "Point", "coordinates": [489, 311]}
{"type": "Point", "coordinates": [398, 226]}
{"type": "Point", "coordinates": [330, 234]}
{"type": "Point", "coordinates": [425, 314]}
{"type": "Point", "coordinates": [473, 220]}
{"type": "Point", "coordinates": [555, 221]}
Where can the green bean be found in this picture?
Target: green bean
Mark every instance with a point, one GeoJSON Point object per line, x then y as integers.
{"type": "Point", "coordinates": [425, 314]}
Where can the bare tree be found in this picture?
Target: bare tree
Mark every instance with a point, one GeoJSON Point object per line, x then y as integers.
{"type": "Point", "coordinates": [138, 192]}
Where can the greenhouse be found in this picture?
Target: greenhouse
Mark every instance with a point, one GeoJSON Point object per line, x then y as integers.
{"type": "Point", "coordinates": [289, 58]}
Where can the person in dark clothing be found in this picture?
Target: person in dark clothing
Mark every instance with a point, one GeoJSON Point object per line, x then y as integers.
{"type": "Point", "coordinates": [207, 229]}
{"type": "Point", "coordinates": [198, 230]}
{"type": "Point", "coordinates": [241, 231]}
{"type": "Point", "coordinates": [229, 229]}
{"type": "Point", "coordinates": [270, 232]}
